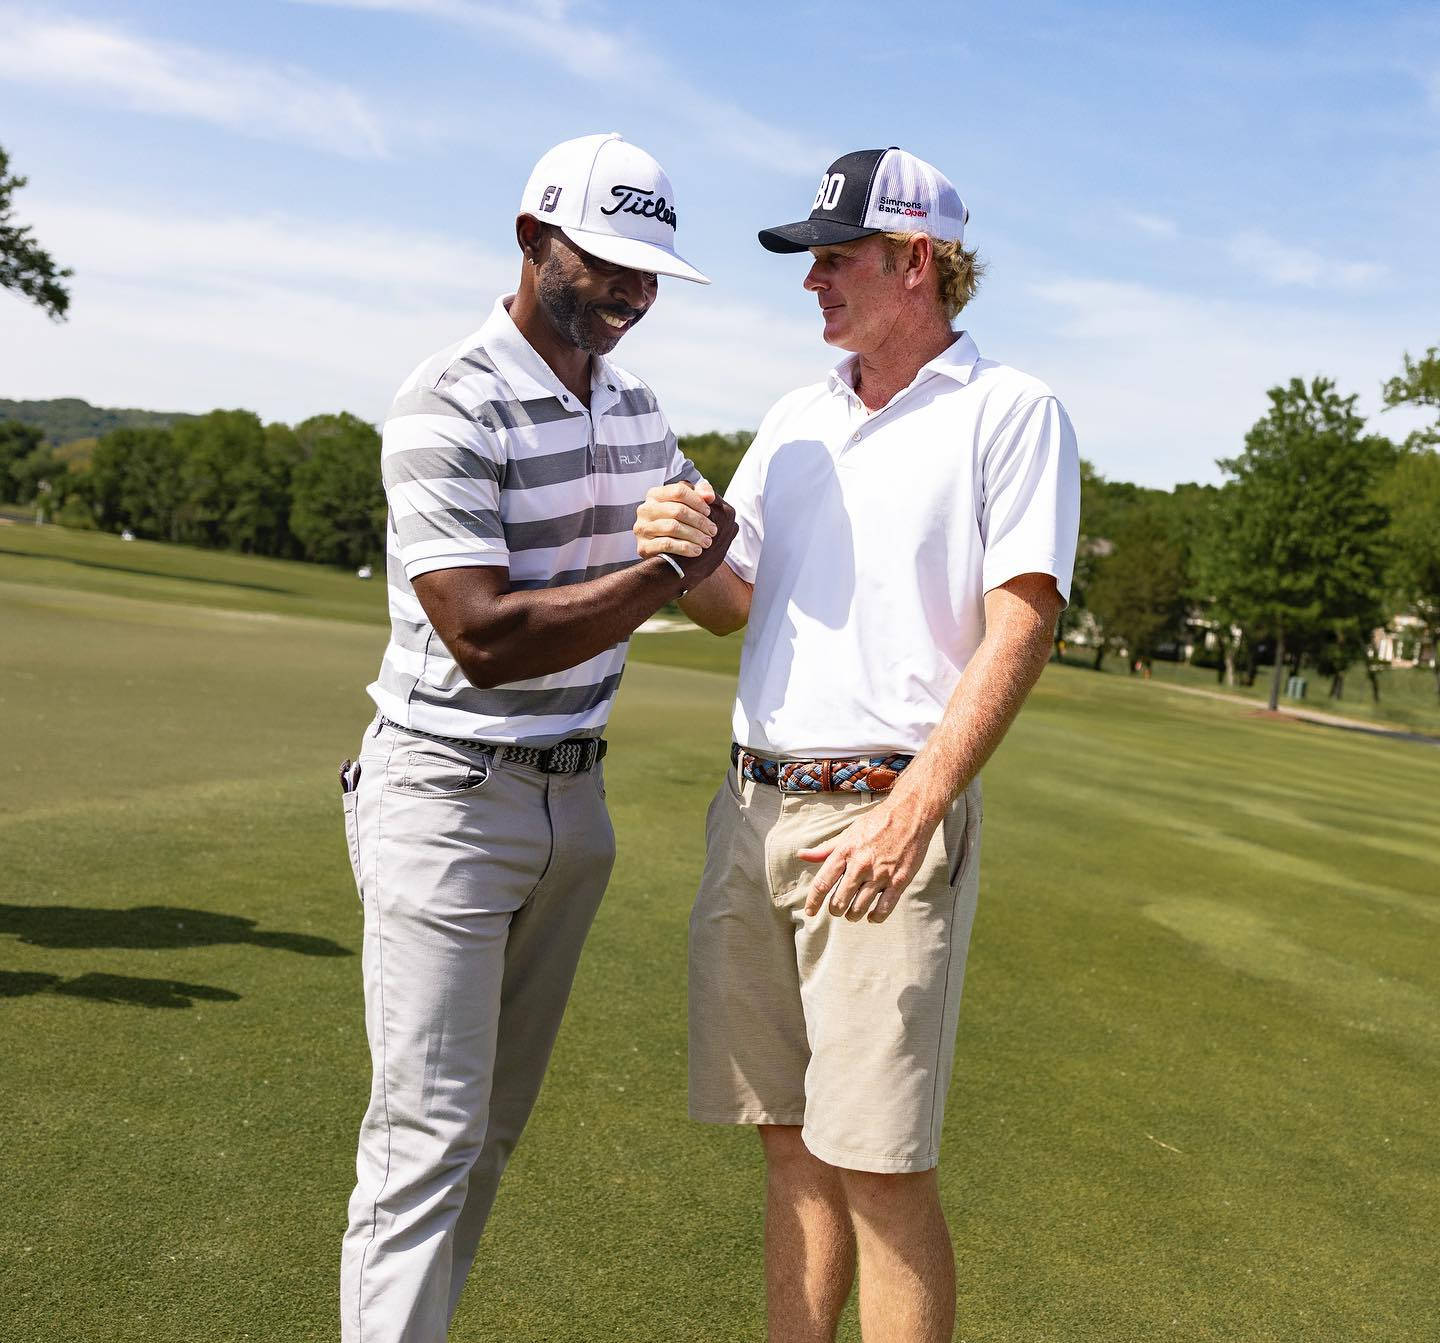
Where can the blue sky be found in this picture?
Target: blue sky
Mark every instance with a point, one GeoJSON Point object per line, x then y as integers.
{"type": "Point", "coordinates": [286, 204]}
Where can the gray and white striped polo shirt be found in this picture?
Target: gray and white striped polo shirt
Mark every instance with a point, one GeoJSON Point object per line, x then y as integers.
{"type": "Point", "coordinates": [488, 459]}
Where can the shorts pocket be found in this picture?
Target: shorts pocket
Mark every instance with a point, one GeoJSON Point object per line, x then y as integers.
{"type": "Point", "coordinates": [352, 840]}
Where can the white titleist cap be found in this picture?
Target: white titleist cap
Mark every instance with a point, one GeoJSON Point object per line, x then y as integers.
{"type": "Point", "coordinates": [875, 191]}
{"type": "Point", "coordinates": [611, 199]}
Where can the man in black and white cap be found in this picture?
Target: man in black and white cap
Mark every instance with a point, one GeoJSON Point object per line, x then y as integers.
{"type": "Point", "coordinates": [475, 816]}
{"type": "Point", "coordinates": [907, 531]}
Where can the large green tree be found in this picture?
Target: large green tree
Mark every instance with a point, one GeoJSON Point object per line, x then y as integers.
{"type": "Point", "coordinates": [1298, 543]}
{"type": "Point", "coordinates": [338, 514]}
{"type": "Point", "coordinates": [1418, 385]}
{"type": "Point", "coordinates": [40, 478]}
{"type": "Point", "coordinates": [17, 442]}
{"type": "Point", "coordinates": [1413, 496]}
{"type": "Point", "coordinates": [1106, 507]}
{"type": "Point", "coordinates": [1137, 593]}
{"type": "Point", "coordinates": [26, 268]}
{"type": "Point", "coordinates": [222, 456]}
{"type": "Point", "coordinates": [716, 455]}
{"type": "Point", "coordinates": [1411, 491]}
{"type": "Point", "coordinates": [134, 483]}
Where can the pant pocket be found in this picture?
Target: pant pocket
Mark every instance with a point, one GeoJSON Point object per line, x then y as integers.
{"type": "Point", "coordinates": [352, 840]}
{"type": "Point", "coordinates": [965, 846]}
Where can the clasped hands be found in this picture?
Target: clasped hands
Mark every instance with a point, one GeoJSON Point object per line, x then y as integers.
{"type": "Point", "coordinates": [690, 523]}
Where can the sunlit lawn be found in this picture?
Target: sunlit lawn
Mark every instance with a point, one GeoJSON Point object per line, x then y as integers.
{"type": "Point", "coordinates": [1196, 1089]}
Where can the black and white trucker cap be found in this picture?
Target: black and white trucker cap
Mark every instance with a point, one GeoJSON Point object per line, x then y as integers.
{"type": "Point", "coordinates": [875, 191]}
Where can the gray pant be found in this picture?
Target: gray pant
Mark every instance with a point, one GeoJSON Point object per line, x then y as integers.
{"type": "Point", "coordinates": [480, 879]}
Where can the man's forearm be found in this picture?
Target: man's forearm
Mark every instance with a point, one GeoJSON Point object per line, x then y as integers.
{"type": "Point", "coordinates": [519, 635]}
{"type": "Point", "coordinates": [721, 603]}
{"type": "Point", "coordinates": [1019, 624]}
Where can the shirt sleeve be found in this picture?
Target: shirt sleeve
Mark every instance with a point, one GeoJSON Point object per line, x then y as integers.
{"type": "Point", "coordinates": [442, 470]}
{"type": "Point", "coordinates": [744, 495]}
{"type": "Point", "coordinates": [1030, 517]}
{"type": "Point", "coordinates": [680, 467]}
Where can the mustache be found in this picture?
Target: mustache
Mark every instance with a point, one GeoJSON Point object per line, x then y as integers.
{"type": "Point", "coordinates": [622, 311]}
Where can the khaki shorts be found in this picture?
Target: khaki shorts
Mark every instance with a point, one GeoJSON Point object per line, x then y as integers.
{"type": "Point", "coordinates": [845, 1028]}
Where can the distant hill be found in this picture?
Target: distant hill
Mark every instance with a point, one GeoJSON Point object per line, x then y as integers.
{"type": "Point", "coordinates": [69, 418]}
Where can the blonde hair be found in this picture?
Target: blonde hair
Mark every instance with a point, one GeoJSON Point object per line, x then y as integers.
{"type": "Point", "coordinates": [957, 269]}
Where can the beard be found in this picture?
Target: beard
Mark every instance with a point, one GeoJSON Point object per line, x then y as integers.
{"type": "Point", "coordinates": [578, 323]}
{"type": "Point", "coordinates": [568, 316]}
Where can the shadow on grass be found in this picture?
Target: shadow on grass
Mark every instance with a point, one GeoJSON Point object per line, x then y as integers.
{"type": "Point", "coordinates": [146, 573]}
{"type": "Point", "coordinates": [71, 927]}
{"type": "Point", "coordinates": [126, 990]}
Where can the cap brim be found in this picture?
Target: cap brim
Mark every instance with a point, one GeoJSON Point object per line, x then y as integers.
{"type": "Point", "coordinates": [634, 254]}
{"type": "Point", "coordinates": [811, 233]}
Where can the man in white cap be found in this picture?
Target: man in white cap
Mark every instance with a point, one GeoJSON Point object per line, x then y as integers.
{"type": "Point", "coordinates": [475, 815]}
{"type": "Point", "coordinates": [906, 536]}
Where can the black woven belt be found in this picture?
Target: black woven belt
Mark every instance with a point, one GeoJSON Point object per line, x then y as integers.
{"type": "Point", "coordinates": [574, 755]}
{"type": "Point", "coordinates": [848, 774]}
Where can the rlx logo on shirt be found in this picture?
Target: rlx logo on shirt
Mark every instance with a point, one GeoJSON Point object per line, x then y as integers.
{"type": "Point", "coordinates": [638, 201]}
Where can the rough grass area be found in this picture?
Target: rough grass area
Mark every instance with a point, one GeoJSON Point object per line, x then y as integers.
{"type": "Point", "coordinates": [1196, 1088]}
{"type": "Point", "coordinates": [1408, 697]}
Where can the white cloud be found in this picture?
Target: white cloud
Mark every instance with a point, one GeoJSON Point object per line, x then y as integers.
{"type": "Point", "coordinates": [548, 28]}
{"type": "Point", "coordinates": [1158, 226]}
{"type": "Point", "coordinates": [545, 26]}
{"type": "Point", "coordinates": [187, 251]}
{"type": "Point", "coordinates": [1281, 263]}
{"type": "Point", "coordinates": [291, 318]}
{"type": "Point", "coordinates": [105, 63]}
{"type": "Point", "coordinates": [1160, 384]}
{"type": "Point", "coordinates": [720, 365]}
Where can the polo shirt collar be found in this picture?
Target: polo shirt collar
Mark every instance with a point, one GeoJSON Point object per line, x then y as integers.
{"type": "Point", "coordinates": [528, 375]}
{"type": "Point", "coordinates": [957, 360]}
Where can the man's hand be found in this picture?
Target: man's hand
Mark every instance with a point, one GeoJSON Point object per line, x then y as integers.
{"type": "Point", "coordinates": [869, 865]}
{"type": "Point", "coordinates": [675, 520]}
{"type": "Point", "coordinates": [699, 567]}
{"type": "Point", "coordinates": [866, 868]}
{"type": "Point", "coordinates": [687, 522]}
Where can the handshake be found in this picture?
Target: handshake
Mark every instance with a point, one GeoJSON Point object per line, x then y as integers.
{"type": "Point", "coordinates": [689, 523]}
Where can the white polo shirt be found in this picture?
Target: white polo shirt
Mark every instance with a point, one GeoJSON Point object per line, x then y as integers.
{"type": "Point", "coordinates": [872, 538]}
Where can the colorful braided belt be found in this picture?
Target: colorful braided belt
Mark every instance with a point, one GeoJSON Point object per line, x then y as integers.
{"type": "Point", "coordinates": [856, 774]}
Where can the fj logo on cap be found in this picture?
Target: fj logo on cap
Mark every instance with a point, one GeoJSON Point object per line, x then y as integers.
{"type": "Point", "coordinates": [550, 199]}
{"type": "Point", "coordinates": [831, 185]}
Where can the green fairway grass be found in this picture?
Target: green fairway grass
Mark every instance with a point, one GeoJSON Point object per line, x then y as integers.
{"type": "Point", "coordinates": [1196, 1083]}
{"type": "Point", "coordinates": [105, 565]}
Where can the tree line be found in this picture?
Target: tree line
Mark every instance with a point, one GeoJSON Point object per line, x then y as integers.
{"type": "Point", "coordinates": [226, 480]}
{"type": "Point", "coordinates": [1322, 533]}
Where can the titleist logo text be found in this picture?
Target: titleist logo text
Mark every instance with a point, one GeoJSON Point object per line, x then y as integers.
{"type": "Point", "coordinates": [638, 201]}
